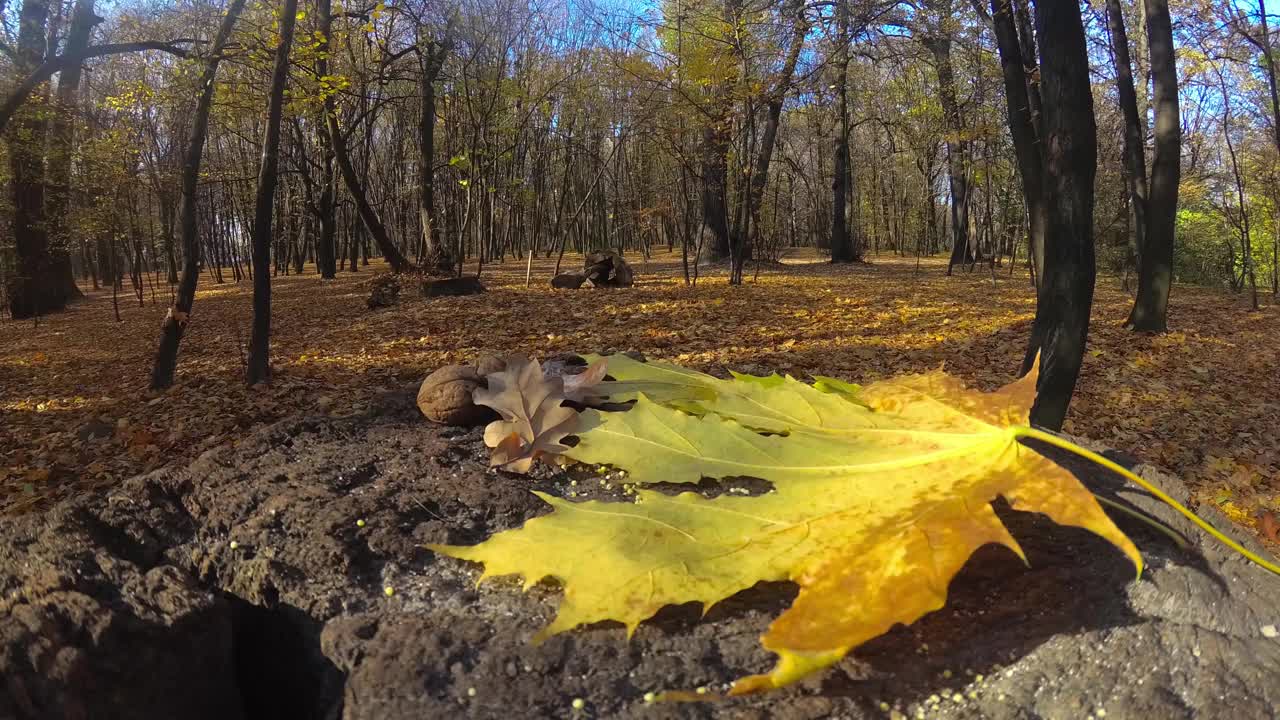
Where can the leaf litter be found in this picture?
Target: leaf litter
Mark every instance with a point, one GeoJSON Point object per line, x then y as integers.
{"type": "Point", "coordinates": [75, 416]}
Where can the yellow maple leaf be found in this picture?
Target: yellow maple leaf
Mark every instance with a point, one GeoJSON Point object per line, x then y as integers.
{"type": "Point", "coordinates": [871, 517]}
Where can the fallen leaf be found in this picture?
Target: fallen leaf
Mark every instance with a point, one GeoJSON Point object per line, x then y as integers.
{"type": "Point", "coordinates": [581, 388]}
{"type": "Point", "coordinates": [873, 510]}
{"type": "Point", "coordinates": [1270, 526]}
{"type": "Point", "coordinates": [533, 419]}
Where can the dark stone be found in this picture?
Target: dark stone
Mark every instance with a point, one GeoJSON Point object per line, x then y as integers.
{"type": "Point", "coordinates": [607, 268]}
{"type": "Point", "coordinates": [137, 606]}
{"type": "Point", "coordinates": [384, 291]}
{"type": "Point", "coordinates": [451, 286]}
{"type": "Point", "coordinates": [568, 281]}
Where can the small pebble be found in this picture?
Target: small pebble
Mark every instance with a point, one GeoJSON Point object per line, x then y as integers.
{"type": "Point", "coordinates": [957, 698]}
{"type": "Point", "coordinates": [1269, 631]}
{"type": "Point", "coordinates": [579, 703]}
{"type": "Point", "coordinates": [360, 522]}
{"type": "Point", "coordinates": [234, 545]}
{"type": "Point", "coordinates": [471, 692]}
{"type": "Point", "coordinates": [388, 591]}
{"type": "Point", "coordinates": [1100, 712]}
{"type": "Point", "coordinates": [649, 697]}
{"type": "Point", "coordinates": [702, 690]}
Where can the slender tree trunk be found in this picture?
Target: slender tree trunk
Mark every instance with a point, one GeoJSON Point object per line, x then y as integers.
{"type": "Point", "coordinates": [1022, 123]}
{"type": "Point", "coordinates": [957, 151]}
{"type": "Point", "coordinates": [326, 205]}
{"type": "Point", "coordinates": [369, 216]}
{"type": "Point", "coordinates": [179, 315]}
{"type": "Point", "coordinates": [259, 363]}
{"type": "Point", "coordinates": [1061, 327]}
{"type": "Point", "coordinates": [1155, 271]}
{"type": "Point", "coordinates": [843, 247]}
{"type": "Point", "coordinates": [1135, 161]}
{"type": "Point", "coordinates": [432, 57]}
{"type": "Point", "coordinates": [754, 195]}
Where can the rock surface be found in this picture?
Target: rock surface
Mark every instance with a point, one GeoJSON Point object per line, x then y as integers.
{"type": "Point", "coordinates": [253, 584]}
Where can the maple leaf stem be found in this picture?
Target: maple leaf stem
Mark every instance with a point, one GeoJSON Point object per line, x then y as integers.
{"type": "Point", "coordinates": [1124, 472]}
{"type": "Point", "coordinates": [1146, 519]}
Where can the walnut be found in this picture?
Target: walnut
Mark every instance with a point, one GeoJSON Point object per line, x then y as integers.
{"type": "Point", "coordinates": [445, 396]}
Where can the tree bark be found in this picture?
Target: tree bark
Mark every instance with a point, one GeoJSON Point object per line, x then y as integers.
{"type": "Point", "coordinates": [368, 216]}
{"type": "Point", "coordinates": [39, 286]}
{"type": "Point", "coordinates": [957, 148]}
{"type": "Point", "coordinates": [326, 253]}
{"type": "Point", "coordinates": [259, 363]}
{"type": "Point", "coordinates": [843, 247]}
{"type": "Point", "coordinates": [740, 250]}
{"type": "Point", "coordinates": [1061, 326]}
{"type": "Point", "coordinates": [1022, 124]}
{"type": "Point", "coordinates": [432, 57]}
{"type": "Point", "coordinates": [175, 322]}
{"type": "Point", "coordinates": [62, 139]}
{"type": "Point", "coordinates": [1135, 161]}
{"type": "Point", "coordinates": [1155, 270]}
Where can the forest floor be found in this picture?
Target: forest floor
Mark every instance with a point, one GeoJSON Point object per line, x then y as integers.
{"type": "Point", "coordinates": [75, 416]}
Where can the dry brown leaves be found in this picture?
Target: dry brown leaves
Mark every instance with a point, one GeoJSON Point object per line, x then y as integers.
{"type": "Point", "coordinates": [1201, 400]}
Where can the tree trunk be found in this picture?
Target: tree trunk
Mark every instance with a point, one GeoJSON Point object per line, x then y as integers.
{"type": "Point", "coordinates": [957, 151]}
{"type": "Point", "coordinates": [432, 57]}
{"type": "Point", "coordinates": [326, 255]}
{"type": "Point", "coordinates": [843, 247]}
{"type": "Point", "coordinates": [1022, 123]}
{"type": "Point", "coordinates": [259, 363]}
{"type": "Point", "coordinates": [1155, 271]}
{"type": "Point", "coordinates": [44, 281]}
{"type": "Point", "coordinates": [1135, 161]}
{"type": "Point", "coordinates": [175, 323]}
{"type": "Point", "coordinates": [62, 145]}
{"type": "Point", "coordinates": [740, 249]}
{"type": "Point", "coordinates": [1061, 327]}
{"type": "Point", "coordinates": [715, 176]}
{"type": "Point", "coordinates": [369, 216]}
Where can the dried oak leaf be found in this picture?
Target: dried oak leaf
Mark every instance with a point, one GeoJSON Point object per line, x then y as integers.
{"type": "Point", "coordinates": [582, 388]}
{"type": "Point", "coordinates": [533, 421]}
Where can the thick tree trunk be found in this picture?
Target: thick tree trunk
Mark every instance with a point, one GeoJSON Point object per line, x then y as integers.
{"type": "Point", "coordinates": [1061, 327]}
{"type": "Point", "coordinates": [1155, 271]}
{"type": "Point", "coordinates": [43, 282]}
{"type": "Point", "coordinates": [62, 145]}
{"type": "Point", "coordinates": [715, 177]}
{"type": "Point", "coordinates": [175, 323]}
{"type": "Point", "coordinates": [1022, 124]}
{"type": "Point", "coordinates": [1135, 160]}
{"type": "Point", "coordinates": [259, 363]}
